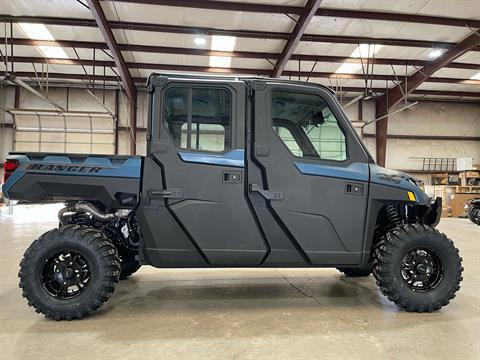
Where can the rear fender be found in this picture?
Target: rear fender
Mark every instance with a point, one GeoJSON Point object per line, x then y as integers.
{"type": "Point", "coordinates": [112, 180]}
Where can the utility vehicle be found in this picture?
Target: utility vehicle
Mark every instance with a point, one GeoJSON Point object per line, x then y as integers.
{"type": "Point", "coordinates": [239, 172]}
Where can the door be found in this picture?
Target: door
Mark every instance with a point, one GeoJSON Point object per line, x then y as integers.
{"type": "Point", "coordinates": [314, 172]}
{"type": "Point", "coordinates": [199, 200]}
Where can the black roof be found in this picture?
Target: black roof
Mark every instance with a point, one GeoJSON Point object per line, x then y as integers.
{"type": "Point", "coordinates": [244, 78]}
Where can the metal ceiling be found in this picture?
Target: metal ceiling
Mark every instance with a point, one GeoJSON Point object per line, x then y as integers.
{"type": "Point", "coordinates": [122, 41]}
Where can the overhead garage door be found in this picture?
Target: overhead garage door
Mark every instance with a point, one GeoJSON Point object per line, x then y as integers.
{"type": "Point", "coordinates": [68, 132]}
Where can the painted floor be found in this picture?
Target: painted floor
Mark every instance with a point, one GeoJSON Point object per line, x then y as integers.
{"type": "Point", "coordinates": [238, 314]}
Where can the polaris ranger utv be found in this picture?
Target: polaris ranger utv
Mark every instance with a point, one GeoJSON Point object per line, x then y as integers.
{"type": "Point", "coordinates": [239, 172]}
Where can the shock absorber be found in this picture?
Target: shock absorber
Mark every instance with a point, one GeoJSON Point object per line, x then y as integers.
{"type": "Point", "coordinates": [393, 218]}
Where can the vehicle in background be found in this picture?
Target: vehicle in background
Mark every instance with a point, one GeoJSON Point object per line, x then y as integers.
{"type": "Point", "coordinates": [473, 208]}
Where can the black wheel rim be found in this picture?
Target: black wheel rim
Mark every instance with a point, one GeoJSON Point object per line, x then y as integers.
{"type": "Point", "coordinates": [422, 270]}
{"type": "Point", "coordinates": [65, 275]}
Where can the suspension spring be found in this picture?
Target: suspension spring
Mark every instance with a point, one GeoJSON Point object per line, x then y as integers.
{"type": "Point", "coordinates": [394, 219]}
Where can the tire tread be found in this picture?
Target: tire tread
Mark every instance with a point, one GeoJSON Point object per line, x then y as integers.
{"type": "Point", "coordinates": [383, 253]}
{"type": "Point", "coordinates": [110, 269]}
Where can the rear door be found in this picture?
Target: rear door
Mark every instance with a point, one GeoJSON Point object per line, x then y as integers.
{"type": "Point", "coordinates": [314, 172]}
{"type": "Point", "coordinates": [197, 144]}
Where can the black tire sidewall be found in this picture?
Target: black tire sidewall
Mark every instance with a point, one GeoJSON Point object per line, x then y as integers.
{"type": "Point", "coordinates": [443, 249]}
{"type": "Point", "coordinates": [471, 216]}
{"type": "Point", "coordinates": [84, 241]}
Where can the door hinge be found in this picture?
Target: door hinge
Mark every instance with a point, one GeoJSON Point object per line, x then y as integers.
{"type": "Point", "coordinates": [267, 194]}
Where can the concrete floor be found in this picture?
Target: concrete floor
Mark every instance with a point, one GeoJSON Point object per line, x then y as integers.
{"type": "Point", "coordinates": [239, 314]}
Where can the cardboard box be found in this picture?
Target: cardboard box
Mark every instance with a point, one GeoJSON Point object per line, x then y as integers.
{"type": "Point", "coordinates": [458, 202]}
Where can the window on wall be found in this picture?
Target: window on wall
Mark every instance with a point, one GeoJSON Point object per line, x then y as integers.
{"type": "Point", "coordinates": [307, 126]}
{"type": "Point", "coordinates": [199, 118]}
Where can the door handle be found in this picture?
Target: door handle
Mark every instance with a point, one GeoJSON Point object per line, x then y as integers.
{"type": "Point", "coordinates": [267, 194]}
{"type": "Point", "coordinates": [354, 189]}
{"type": "Point", "coordinates": [232, 177]}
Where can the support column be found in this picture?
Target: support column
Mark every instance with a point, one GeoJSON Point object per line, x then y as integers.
{"type": "Point", "coordinates": [133, 126]}
{"type": "Point", "coordinates": [16, 103]}
{"type": "Point", "coordinates": [381, 127]}
{"type": "Point", "coordinates": [117, 118]}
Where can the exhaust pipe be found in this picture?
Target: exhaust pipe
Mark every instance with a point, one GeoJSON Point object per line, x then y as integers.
{"type": "Point", "coordinates": [86, 207]}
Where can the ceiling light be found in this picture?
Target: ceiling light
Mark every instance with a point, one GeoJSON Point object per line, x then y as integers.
{"type": "Point", "coordinates": [362, 51]}
{"type": "Point", "coordinates": [434, 53]}
{"type": "Point", "coordinates": [222, 43]}
{"type": "Point", "coordinates": [200, 40]}
{"type": "Point", "coordinates": [348, 68]}
{"type": "Point", "coordinates": [36, 31]}
{"type": "Point", "coordinates": [53, 52]}
{"type": "Point", "coordinates": [40, 32]}
{"type": "Point", "coordinates": [220, 61]}
{"type": "Point", "coordinates": [476, 76]}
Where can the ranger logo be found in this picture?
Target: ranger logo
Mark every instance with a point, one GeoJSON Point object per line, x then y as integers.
{"type": "Point", "coordinates": [66, 168]}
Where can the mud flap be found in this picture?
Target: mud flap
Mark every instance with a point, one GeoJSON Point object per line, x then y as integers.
{"type": "Point", "coordinates": [433, 215]}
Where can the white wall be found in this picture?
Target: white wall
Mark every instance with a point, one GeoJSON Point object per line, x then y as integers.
{"type": "Point", "coordinates": [426, 118]}
{"type": "Point", "coordinates": [429, 119]}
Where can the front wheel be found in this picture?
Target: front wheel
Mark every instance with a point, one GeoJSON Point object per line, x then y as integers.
{"type": "Point", "coordinates": [68, 273]}
{"type": "Point", "coordinates": [417, 267]}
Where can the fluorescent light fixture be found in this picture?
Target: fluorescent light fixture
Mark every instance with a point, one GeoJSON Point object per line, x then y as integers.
{"type": "Point", "coordinates": [200, 40]}
{"type": "Point", "coordinates": [220, 61]}
{"type": "Point", "coordinates": [40, 32]}
{"type": "Point", "coordinates": [222, 43]}
{"type": "Point", "coordinates": [53, 52]}
{"type": "Point", "coordinates": [362, 51]}
{"type": "Point", "coordinates": [476, 76]}
{"type": "Point", "coordinates": [348, 68]}
{"type": "Point", "coordinates": [36, 31]}
{"type": "Point", "coordinates": [434, 53]}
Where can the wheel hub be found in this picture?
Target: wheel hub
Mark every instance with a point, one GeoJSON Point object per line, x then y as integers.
{"type": "Point", "coordinates": [422, 270]}
{"type": "Point", "coordinates": [68, 273]}
{"type": "Point", "coordinates": [65, 274]}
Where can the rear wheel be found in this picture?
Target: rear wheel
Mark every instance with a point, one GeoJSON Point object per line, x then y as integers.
{"type": "Point", "coordinates": [68, 273]}
{"type": "Point", "coordinates": [417, 267]}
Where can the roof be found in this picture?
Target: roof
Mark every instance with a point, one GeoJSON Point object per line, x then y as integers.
{"type": "Point", "coordinates": [196, 76]}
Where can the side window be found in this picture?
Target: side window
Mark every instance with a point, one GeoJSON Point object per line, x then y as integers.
{"type": "Point", "coordinates": [288, 139]}
{"type": "Point", "coordinates": [199, 118]}
{"type": "Point", "coordinates": [307, 126]}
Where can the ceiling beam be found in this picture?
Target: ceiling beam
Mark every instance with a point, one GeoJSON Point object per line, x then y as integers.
{"type": "Point", "coordinates": [142, 80]}
{"type": "Point", "coordinates": [300, 27]}
{"type": "Point", "coordinates": [328, 12]}
{"type": "Point", "coordinates": [232, 71]}
{"type": "Point", "coordinates": [401, 91]}
{"type": "Point", "coordinates": [237, 54]}
{"type": "Point", "coordinates": [252, 34]}
{"type": "Point", "coordinates": [127, 80]}
{"type": "Point", "coordinates": [102, 23]}
{"type": "Point", "coordinates": [395, 95]}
